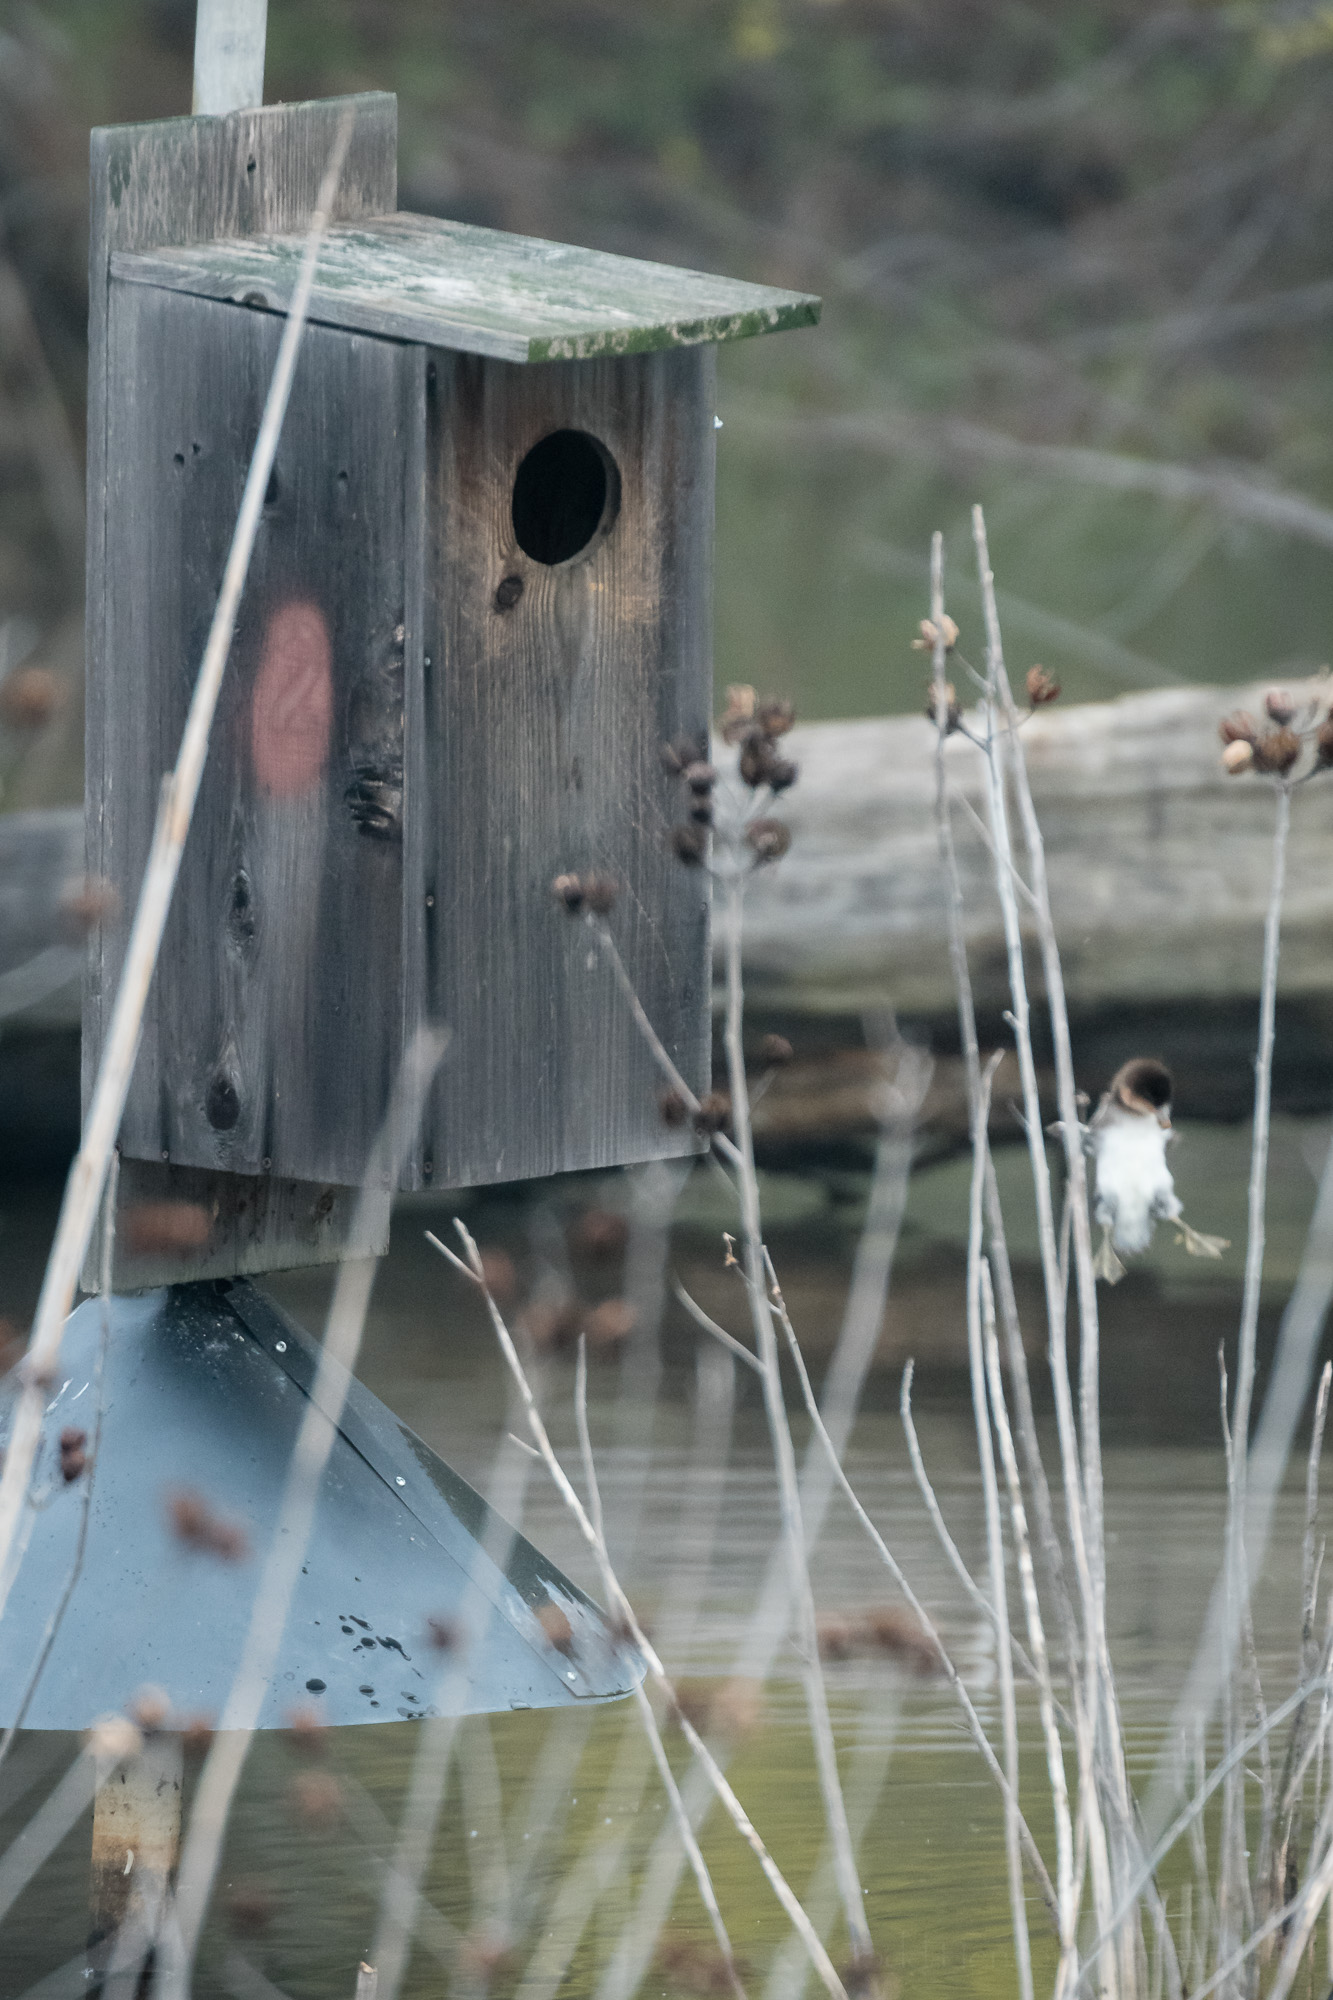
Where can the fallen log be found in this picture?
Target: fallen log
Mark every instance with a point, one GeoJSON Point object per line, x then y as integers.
{"type": "Point", "coordinates": [41, 965]}
{"type": "Point", "coordinates": [1159, 864]}
{"type": "Point", "coordinates": [1159, 867]}
{"type": "Point", "coordinates": [41, 936]}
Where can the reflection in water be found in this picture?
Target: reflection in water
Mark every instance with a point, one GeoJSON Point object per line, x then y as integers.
{"type": "Point", "coordinates": [690, 1475]}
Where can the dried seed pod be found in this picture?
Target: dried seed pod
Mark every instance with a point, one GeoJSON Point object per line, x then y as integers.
{"type": "Point", "coordinates": [769, 839]}
{"type": "Point", "coordinates": [1238, 727]}
{"type": "Point", "coordinates": [113, 1738]}
{"type": "Point", "coordinates": [897, 1631]}
{"type": "Point", "coordinates": [197, 1735]}
{"type": "Point", "coordinates": [599, 1233]}
{"type": "Point", "coordinates": [194, 1523]}
{"type": "Point", "coordinates": [611, 1323]}
{"type": "Point", "coordinates": [701, 812]}
{"type": "Point", "coordinates": [568, 889]}
{"type": "Point", "coordinates": [700, 777]}
{"type": "Point", "coordinates": [930, 633]}
{"type": "Point", "coordinates": [190, 1517]}
{"type": "Point", "coordinates": [681, 752]}
{"type": "Point", "coordinates": [1041, 687]}
{"type": "Point", "coordinates": [861, 1976]}
{"type": "Point", "coordinates": [775, 1050]}
{"type": "Point", "coordinates": [1238, 757]}
{"type": "Point", "coordinates": [499, 1276]}
{"type": "Point", "coordinates": [165, 1225]}
{"type": "Point", "coordinates": [775, 716]}
{"type": "Point", "coordinates": [600, 892]}
{"type": "Point", "coordinates": [1280, 706]}
{"type": "Point", "coordinates": [551, 1323]}
{"type": "Point", "coordinates": [760, 764]}
{"type": "Point", "coordinates": [317, 1797]}
{"type": "Point", "coordinates": [621, 1628]}
{"type": "Point", "coordinates": [150, 1709]}
{"type": "Point", "coordinates": [673, 1109]}
{"type": "Point", "coordinates": [835, 1637]}
{"type": "Point", "coordinates": [1277, 750]}
{"type": "Point", "coordinates": [691, 1967]}
{"type": "Point", "coordinates": [690, 1705]}
{"type": "Point", "coordinates": [714, 1112]}
{"type": "Point", "coordinates": [738, 715]}
{"type": "Point", "coordinates": [73, 1453]}
{"type": "Point", "coordinates": [29, 698]}
{"type": "Point", "coordinates": [559, 1632]}
{"type": "Point", "coordinates": [1323, 743]}
{"type": "Point", "coordinates": [12, 1344]}
{"type": "Point", "coordinates": [757, 755]}
{"type": "Point", "coordinates": [306, 1731]}
{"type": "Point", "coordinates": [483, 1959]}
{"type": "Point", "coordinates": [953, 714]}
{"type": "Point", "coordinates": [736, 1707]}
{"type": "Point", "coordinates": [86, 902]}
{"type": "Point", "coordinates": [689, 844]}
{"type": "Point", "coordinates": [251, 1908]}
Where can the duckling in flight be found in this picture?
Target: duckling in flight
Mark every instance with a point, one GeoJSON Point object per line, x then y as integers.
{"type": "Point", "coordinates": [1128, 1135]}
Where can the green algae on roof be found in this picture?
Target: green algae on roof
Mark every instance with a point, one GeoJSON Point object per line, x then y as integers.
{"type": "Point", "coordinates": [448, 284]}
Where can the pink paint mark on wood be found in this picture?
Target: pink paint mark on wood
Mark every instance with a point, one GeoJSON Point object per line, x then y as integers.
{"type": "Point", "coordinates": [291, 709]}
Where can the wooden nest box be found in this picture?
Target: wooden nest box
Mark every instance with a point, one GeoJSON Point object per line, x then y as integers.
{"type": "Point", "coordinates": [478, 606]}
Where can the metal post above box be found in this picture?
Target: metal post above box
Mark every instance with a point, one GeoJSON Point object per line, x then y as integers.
{"type": "Point", "coordinates": [478, 606]}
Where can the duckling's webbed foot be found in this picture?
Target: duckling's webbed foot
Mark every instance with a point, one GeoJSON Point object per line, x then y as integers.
{"type": "Point", "coordinates": [1106, 1265]}
{"type": "Point", "coordinates": [1197, 1244]}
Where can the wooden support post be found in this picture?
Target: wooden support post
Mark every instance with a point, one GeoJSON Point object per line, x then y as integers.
{"type": "Point", "coordinates": [229, 40]}
{"type": "Point", "coordinates": [136, 1839]}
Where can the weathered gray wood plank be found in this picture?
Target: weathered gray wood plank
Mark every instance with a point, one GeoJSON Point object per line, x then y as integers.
{"type": "Point", "coordinates": [244, 1225]}
{"type": "Point", "coordinates": [546, 704]}
{"type": "Point", "coordinates": [482, 291]}
{"type": "Point", "coordinates": [271, 1037]}
{"type": "Point", "coordinates": [190, 180]}
{"type": "Point", "coordinates": [184, 181]}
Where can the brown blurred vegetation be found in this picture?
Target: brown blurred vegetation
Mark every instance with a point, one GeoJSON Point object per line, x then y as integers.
{"type": "Point", "coordinates": [1057, 241]}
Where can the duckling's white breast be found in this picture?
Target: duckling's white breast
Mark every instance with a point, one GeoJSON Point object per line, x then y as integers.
{"type": "Point", "coordinates": [1134, 1183]}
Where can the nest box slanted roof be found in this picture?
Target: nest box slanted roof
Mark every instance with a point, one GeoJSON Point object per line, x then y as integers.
{"type": "Point", "coordinates": [482, 291]}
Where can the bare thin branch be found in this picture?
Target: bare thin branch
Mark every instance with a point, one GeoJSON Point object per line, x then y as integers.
{"type": "Point", "coordinates": [700, 1318]}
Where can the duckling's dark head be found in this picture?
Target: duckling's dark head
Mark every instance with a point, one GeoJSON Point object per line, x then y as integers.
{"type": "Point", "coordinates": [1144, 1085]}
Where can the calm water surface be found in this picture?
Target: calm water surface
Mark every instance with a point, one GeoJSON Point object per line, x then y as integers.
{"type": "Point", "coordinates": [549, 1828]}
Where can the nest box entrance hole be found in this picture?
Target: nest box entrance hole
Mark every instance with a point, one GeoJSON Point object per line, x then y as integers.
{"type": "Point", "coordinates": [566, 496]}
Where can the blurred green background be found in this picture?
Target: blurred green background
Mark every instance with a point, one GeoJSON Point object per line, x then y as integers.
{"type": "Point", "coordinates": [1075, 257]}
